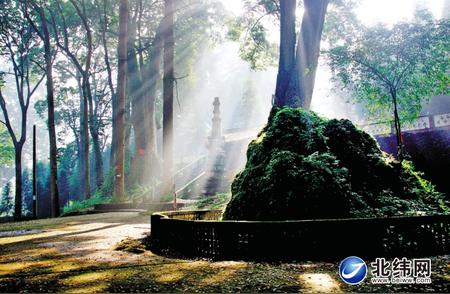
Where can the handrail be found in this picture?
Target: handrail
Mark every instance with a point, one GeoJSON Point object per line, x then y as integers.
{"type": "Point", "coordinates": [433, 121]}
{"type": "Point", "coordinates": [189, 164]}
{"type": "Point", "coordinates": [190, 182]}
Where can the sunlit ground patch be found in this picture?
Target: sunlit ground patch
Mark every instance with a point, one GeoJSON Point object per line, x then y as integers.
{"type": "Point", "coordinates": [86, 278]}
{"type": "Point", "coordinates": [28, 237]}
{"type": "Point", "coordinates": [68, 265]}
{"type": "Point", "coordinates": [319, 283]}
{"type": "Point", "coordinates": [20, 266]}
{"type": "Point", "coordinates": [183, 267]}
{"type": "Point", "coordinates": [170, 277]}
{"type": "Point", "coordinates": [226, 270]}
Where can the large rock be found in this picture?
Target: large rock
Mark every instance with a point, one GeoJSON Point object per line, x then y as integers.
{"type": "Point", "coordinates": [302, 166]}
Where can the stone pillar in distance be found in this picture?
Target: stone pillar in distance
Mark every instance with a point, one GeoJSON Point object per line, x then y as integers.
{"type": "Point", "coordinates": [215, 170]}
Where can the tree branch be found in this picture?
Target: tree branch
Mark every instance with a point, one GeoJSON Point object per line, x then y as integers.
{"type": "Point", "coordinates": [7, 122]}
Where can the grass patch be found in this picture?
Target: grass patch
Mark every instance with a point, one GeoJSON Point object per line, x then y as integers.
{"type": "Point", "coordinates": [218, 201]}
{"type": "Point", "coordinates": [75, 206]}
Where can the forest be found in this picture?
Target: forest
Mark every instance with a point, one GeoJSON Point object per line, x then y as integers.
{"type": "Point", "coordinates": [177, 127]}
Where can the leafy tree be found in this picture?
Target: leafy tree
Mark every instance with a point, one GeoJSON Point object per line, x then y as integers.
{"type": "Point", "coordinates": [6, 202]}
{"type": "Point", "coordinates": [40, 25]}
{"type": "Point", "coordinates": [6, 147]}
{"type": "Point", "coordinates": [298, 53]}
{"type": "Point", "coordinates": [251, 30]}
{"type": "Point", "coordinates": [27, 192]}
{"type": "Point", "coordinates": [20, 46]}
{"type": "Point", "coordinates": [197, 24]}
{"type": "Point", "coordinates": [392, 70]}
{"type": "Point", "coordinates": [83, 32]}
{"type": "Point", "coordinates": [67, 20]}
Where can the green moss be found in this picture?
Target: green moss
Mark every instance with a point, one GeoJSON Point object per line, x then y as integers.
{"type": "Point", "coordinates": [302, 166]}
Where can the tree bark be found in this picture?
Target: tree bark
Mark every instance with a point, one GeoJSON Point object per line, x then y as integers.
{"type": "Point", "coordinates": [97, 153]}
{"type": "Point", "coordinates": [152, 71]}
{"type": "Point", "coordinates": [94, 129]}
{"type": "Point", "coordinates": [84, 146]}
{"type": "Point", "coordinates": [302, 77]}
{"type": "Point", "coordinates": [143, 86]}
{"type": "Point", "coordinates": [83, 153]}
{"type": "Point", "coordinates": [168, 83]}
{"type": "Point", "coordinates": [18, 189]}
{"type": "Point", "coordinates": [87, 95]}
{"type": "Point", "coordinates": [287, 49]}
{"type": "Point", "coordinates": [397, 126]}
{"type": "Point", "coordinates": [135, 92]}
{"type": "Point", "coordinates": [54, 193]}
{"type": "Point", "coordinates": [110, 83]}
{"type": "Point", "coordinates": [119, 183]}
{"type": "Point", "coordinates": [112, 154]}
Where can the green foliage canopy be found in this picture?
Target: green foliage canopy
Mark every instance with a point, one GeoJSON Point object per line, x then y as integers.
{"type": "Point", "coordinates": [409, 61]}
{"type": "Point", "coordinates": [6, 147]}
{"type": "Point", "coordinates": [6, 201]}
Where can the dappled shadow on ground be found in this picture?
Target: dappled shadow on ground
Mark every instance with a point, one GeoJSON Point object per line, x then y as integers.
{"type": "Point", "coordinates": [227, 276]}
{"type": "Point", "coordinates": [49, 259]}
{"type": "Point", "coordinates": [77, 256]}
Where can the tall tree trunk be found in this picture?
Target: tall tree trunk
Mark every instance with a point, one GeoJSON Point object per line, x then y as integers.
{"type": "Point", "coordinates": [81, 138]}
{"type": "Point", "coordinates": [119, 183]}
{"type": "Point", "coordinates": [397, 126]}
{"type": "Point", "coordinates": [113, 151]}
{"type": "Point", "coordinates": [143, 86]}
{"type": "Point", "coordinates": [135, 92]}
{"type": "Point", "coordinates": [86, 91]}
{"type": "Point", "coordinates": [84, 143]}
{"type": "Point", "coordinates": [54, 193]}
{"type": "Point", "coordinates": [18, 190]}
{"type": "Point", "coordinates": [93, 128]}
{"type": "Point", "coordinates": [301, 81]}
{"type": "Point", "coordinates": [128, 124]}
{"type": "Point", "coordinates": [110, 84]}
{"type": "Point", "coordinates": [168, 83]}
{"type": "Point", "coordinates": [287, 49]}
{"type": "Point", "coordinates": [98, 159]}
{"type": "Point", "coordinates": [152, 71]}
{"type": "Point", "coordinates": [132, 77]}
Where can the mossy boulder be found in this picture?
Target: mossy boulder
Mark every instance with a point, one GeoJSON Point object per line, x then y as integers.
{"type": "Point", "coordinates": [302, 166]}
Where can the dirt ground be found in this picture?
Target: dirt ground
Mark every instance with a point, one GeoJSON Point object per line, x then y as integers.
{"type": "Point", "coordinates": [76, 255]}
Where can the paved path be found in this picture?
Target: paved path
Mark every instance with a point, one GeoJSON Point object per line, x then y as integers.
{"type": "Point", "coordinates": [88, 237]}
